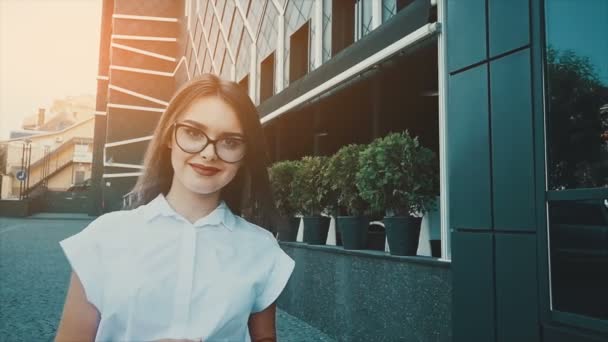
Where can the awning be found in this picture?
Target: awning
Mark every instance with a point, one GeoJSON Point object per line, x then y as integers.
{"type": "Point", "coordinates": [407, 27]}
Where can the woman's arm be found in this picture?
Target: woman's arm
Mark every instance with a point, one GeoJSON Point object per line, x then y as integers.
{"type": "Point", "coordinates": [80, 318]}
{"type": "Point", "coordinates": [262, 325]}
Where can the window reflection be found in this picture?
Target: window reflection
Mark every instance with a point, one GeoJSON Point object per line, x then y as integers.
{"type": "Point", "coordinates": [579, 257]}
{"type": "Point", "coordinates": [577, 82]}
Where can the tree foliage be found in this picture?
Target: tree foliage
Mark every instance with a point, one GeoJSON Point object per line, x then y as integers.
{"type": "Point", "coordinates": [576, 128]}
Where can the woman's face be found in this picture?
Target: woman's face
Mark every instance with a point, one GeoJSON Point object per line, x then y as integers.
{"type": "Point", "coordinates": [216, 119]}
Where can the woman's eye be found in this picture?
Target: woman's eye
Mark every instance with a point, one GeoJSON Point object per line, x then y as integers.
{"type": "Point", "coordinates": [232, 143]}
{"type": "Point", "coordinates": [193, 133]}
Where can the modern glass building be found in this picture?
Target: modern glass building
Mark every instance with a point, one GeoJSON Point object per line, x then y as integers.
{"type": "Point", "coordinates": [512, 96]}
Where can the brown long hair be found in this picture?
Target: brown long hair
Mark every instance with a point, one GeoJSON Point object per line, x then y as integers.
{"type": "Point", "coordinates": [248, 194]}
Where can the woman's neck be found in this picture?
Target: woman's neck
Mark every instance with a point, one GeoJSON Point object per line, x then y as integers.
{"type": "Point", "coordinates": [190, 205]}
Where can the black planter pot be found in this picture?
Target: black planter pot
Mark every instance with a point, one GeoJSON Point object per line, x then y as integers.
{"type": "Point", "coordinates": [288, 229]}
{"type": "Point", "coordinates": [338, 233]}
{"type": "Point", "coordinates": [354, 231]}
{"type": "Point", "coordinates": [402, 233]}
{"type": "Point", "coordinates": [376, 236]}
{"type": "Point", "coordinates": [315, 229]}
{"type": "Point", "coordinates": [436, 248]}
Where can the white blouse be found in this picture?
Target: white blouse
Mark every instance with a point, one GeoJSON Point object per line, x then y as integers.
{"type": "Point", "coordinates": [153, 275]}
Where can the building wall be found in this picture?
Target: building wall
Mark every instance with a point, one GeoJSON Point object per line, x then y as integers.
{"type": "Point", "coordinates": [138, 67]}
{"type": "Point", "coordinates": [497, 176]}
{"type": "Point", "coordinates": [229, 38]}
{"type": "Point", "coordinates": [53, 140]}
{"type": "Point", "coordinates": [62, 180]}
{"type": "Point", "coordinates": [57, 141]}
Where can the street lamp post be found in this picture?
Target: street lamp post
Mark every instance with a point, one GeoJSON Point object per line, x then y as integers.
{"type": "Point", "coordinates": [29, 161]}
{"type": "Point", "coordinates": [26, 157]}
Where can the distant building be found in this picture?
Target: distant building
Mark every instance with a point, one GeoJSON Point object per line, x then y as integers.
{"type": "Point", "coordinates": [63, 113]}
{"type": "Point", "coordinates": [58, 159]}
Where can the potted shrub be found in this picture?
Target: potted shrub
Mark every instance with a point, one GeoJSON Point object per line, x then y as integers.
{"type": "Point", "coordinates": [309, 196]}
{"type": "Point", "coordinates": [281, 178]}
{"type": "Point", "coordinates": [399, 176]}
{"type": "Point", "coordinates": [340, 176]}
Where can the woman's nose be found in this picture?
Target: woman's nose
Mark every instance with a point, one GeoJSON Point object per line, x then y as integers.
{"type": "Point", "coordinates": [208, 152]}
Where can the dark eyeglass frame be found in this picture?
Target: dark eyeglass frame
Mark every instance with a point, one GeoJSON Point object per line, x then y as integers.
{"type": "Point", "coordinates": [176, 125]}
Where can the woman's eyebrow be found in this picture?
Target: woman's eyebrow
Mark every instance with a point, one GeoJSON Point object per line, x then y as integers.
{"type": "Point", "coordinates": [203, 127]}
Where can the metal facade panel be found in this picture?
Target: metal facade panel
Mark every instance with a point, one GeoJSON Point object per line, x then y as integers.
{"type": "Point", "coordinates": [469, 157]}
{"type": "Point", "coordinates": [509, 25]}
{"type": "Point", "coordinates": [466, 33]}
{"type": "Point", "coordinates": [516, 288]}
{"type": "Point", "coordinates": [512, 142]}
{"type": "Point", "coordinates": [473, 287]}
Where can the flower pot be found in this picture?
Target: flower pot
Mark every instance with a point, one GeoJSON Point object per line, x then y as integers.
{"type": "Point", "coordinates": [315, 229]}
{"type": "Point", "coordinates": [402, 233]}
{"type": "Point", "coordinates": [288, 229]}
{"type": "Point", "coordinates": [338, 233]}
{"type": "Point", "coordinates": [354, 231]}
{"type": "Point", "coordinates": [436, 248]}
{"type": "Point", "coordinates": [376, 235]}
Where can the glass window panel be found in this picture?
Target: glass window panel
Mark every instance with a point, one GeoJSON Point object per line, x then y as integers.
{"type": "Point", "coordinates": [255, 13]}
{"type": "Point", "coordinates": [220, 7]}
{"type": "Point", "coordinates": [577, 94]}
{"type": "Point", "coordinates": [326, 30]}
{"type": "Point", "coordinates": [389, 8]}
{"type": "Point", "coordinates": [577, 154]}
{"type": "Point", "coordinates": [267, 40]}
{"type": "Point", "coordinates": [296, 14]}
{"type": "Point", "coordinates": [219, 54]}
{"type": "Point", "coordinates": [228, 15]}
{"type": "Point", "coordinates": [579, 257]}
{"type": "Point", "coordinates": [366, 16]}
{"type": "Point", "coordinates": [208, 17]}
{"type": "Point", "coordinates": [234, 38]}
{"type": "Point", "coordinates": [242, 66]}
{"type": "Point", "coordinates": [213, 37]}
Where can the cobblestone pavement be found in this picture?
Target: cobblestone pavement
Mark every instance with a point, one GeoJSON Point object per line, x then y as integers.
{"type": "Point", "coordinates": [34, 275]}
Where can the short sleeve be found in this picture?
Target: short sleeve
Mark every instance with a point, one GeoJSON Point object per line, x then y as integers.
{"type": "Point", "coordinates": [276, 279]}
{"type": "Point", "coordinates": [84, 255]}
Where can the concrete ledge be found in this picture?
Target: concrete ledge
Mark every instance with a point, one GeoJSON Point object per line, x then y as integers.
{"type": "Point", "coordinates": [365, 295]}
{"type": "Point", "coordinates": [371, 254]}
{"type": "Point", "coordinates": [15, 208]}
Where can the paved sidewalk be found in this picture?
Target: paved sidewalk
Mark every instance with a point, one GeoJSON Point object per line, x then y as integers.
{"type": "Point", "coordinates": [61, 216]}
{"type": "Point", "coordinates": [34, 276]}
{"type": "Point", "coordinates": [291, 329]}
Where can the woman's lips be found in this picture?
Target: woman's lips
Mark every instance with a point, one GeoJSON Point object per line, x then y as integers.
{"type": "Point", "coordinates": [204, 171]}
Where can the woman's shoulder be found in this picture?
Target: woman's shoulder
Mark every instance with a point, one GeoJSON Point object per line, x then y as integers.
{"type": "Point", "coordinates": [254, 231]}
{"type": "Point", "coordinates": [112, 221]}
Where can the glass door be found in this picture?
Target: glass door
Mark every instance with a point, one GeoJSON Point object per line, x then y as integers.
{"type": "Point", "coordinates": [576, 118]}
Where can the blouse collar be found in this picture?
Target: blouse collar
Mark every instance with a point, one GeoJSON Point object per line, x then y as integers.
{"type": "Point", "coordinates": [161, 207]}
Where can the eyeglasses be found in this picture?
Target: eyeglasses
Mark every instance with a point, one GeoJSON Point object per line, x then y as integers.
{"type": "Point", "coordinates": [193, 140]}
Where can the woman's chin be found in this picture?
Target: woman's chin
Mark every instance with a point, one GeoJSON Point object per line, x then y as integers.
{"type": "Point", "coordinates": [202, 189]}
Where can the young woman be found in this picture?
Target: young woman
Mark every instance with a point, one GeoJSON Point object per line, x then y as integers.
{"type": "Point", "coordinates": [181, 264]}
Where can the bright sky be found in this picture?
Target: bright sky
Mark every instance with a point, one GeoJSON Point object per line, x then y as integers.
{"type": "Point", "coordinates": [48, 50]}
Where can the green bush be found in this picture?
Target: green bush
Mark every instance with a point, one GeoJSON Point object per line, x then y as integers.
{"type": "Point", "coordinates": [397, 175]}
{"type": "Point", "coordinates": [309, 191]}
{"type": "Point", "coordinates": [340, 177]}
{"type": "Point", "coordinates": [281, 178]}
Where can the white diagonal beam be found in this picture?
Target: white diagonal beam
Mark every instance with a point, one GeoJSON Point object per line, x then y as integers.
{"type": "Point", "coordinates": [136, 94]}
{"type": "Point", "coordinates": [195, 52]}
{"type": "Point", "coordinates": [143, 52]}
{"type": "Point", "coordinates": [278, 6]}
{"type": "Point", "coordinates": [224, 36]}
{"type": "Point", "coordinates": [206, 42]}
{"type": "Point", "coordinates": [245, 22]}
